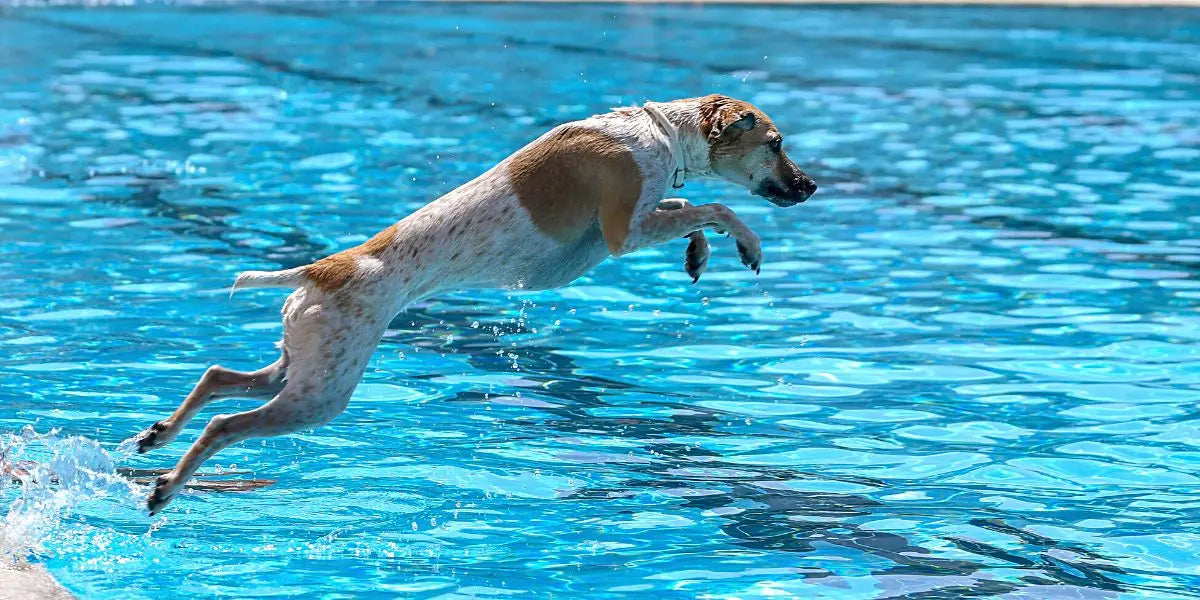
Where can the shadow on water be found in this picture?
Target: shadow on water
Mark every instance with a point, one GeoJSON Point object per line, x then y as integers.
{"type": "Point", "coordinates": [210, 222]}
{"type": "Point", "coordinates": [761, 517]}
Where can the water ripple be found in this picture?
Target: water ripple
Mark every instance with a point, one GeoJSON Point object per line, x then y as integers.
{"type": "Point", "coordinates": [968, 369]}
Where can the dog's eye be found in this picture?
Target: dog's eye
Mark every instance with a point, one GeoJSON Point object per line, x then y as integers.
{"type": "Point", "coordinates": [775, 145]}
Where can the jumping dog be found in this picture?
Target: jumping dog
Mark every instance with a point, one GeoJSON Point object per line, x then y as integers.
{"type": "Point", "coordinates": [539, 219]}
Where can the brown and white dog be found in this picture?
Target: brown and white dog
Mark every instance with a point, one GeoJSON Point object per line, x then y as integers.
{"type": "Point", "coordinates": [544, 216]}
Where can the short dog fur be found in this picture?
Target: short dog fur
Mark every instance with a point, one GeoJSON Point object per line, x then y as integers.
{"type": "Point", "coordinates": [539, 219]}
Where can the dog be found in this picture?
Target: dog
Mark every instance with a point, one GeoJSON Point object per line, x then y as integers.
{"type": "Point", "coordinates": [539, 219]}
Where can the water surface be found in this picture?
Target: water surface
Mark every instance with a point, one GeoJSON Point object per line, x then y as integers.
{"type": "Point", "coordinates": [969, 367]}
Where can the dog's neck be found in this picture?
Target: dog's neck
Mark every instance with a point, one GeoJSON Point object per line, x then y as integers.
{"type": "Point", "coordinates": [679, 126]}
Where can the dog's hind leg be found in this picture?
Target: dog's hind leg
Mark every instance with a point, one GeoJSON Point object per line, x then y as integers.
{"type": "Point", "coordinates": [217, 382]}
{"type": "Point", "coordinates": [327, 352]}
{"type": "Point", "coordinates": [303, 404]}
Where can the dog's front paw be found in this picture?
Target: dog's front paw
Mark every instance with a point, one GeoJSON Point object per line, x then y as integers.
{"type": "Point", "coordinates": [164, 491]}
{"type": "Point", "coordinates": [696, 259]}
{"type": "Point", "coordinates": [750, 251]}
{"type": "Point", "coordinates": [155, 436]}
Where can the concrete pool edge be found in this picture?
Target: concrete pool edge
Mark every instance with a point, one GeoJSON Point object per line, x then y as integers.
{"type": "Point", "coordinates": [21, 582]}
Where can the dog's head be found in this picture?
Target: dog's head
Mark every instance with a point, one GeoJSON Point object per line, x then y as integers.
{"type": "Point", "coordinates": [745, 148]}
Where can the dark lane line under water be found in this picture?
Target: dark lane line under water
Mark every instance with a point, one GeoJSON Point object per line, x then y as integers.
{"type": "Point", "coordinates": [969, 368]}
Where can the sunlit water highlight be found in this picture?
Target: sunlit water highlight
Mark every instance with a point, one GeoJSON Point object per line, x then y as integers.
{"type": "Point", "coordinates": [969, 367]}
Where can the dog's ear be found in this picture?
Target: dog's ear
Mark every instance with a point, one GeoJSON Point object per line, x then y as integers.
{"type": "Point", "coordinates": [732, 125]}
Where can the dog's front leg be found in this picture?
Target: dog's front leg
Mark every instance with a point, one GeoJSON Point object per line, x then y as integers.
{"type": "Point", "coordinates": [696, 258]}
{"type": "Point", "coordinates": [659, 226]}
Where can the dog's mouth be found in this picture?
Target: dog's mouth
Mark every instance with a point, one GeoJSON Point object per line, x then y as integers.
{"type": "Point", "coordinates": [779, 196]}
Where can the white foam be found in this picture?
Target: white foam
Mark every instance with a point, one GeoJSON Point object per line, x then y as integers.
{"type": "Point", "coordinates": [59, 477]}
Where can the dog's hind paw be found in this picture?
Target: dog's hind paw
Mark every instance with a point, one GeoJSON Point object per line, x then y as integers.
{"type": "Point", "coordinates": [162, 495]}
{"type": "Point", "coordinates": [153, 437]}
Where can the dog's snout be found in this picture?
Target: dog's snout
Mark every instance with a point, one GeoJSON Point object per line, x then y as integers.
{"type": "Point", "coordinates": [799, 184]}
{"type": "Point", "coordinates": [805, 187]}
{"type": "Point", "coordinates": [808, 186]}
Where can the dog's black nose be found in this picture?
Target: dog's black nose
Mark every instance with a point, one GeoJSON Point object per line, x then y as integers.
{"type": "Point", "coordinates": [809, 186]}
{"type": "Point", "coordinates": [804, 187]}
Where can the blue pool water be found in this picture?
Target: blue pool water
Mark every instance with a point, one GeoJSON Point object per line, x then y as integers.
{"type": "Point", "coordinates": [969, 368]}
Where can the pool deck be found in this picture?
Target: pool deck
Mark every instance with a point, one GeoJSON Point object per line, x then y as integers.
{"type": "Point", "coordinates": [29, 581]}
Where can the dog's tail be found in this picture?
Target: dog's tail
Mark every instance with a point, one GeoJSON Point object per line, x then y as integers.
{"type": "Point", "coordinates": [287, 278]}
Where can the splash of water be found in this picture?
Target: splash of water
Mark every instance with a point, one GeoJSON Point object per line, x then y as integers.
{"type": "Point", "coordinates": [63, 482]}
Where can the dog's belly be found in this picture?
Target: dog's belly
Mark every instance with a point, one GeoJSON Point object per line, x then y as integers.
{"type": "Point", "coordinates": [542, 264]}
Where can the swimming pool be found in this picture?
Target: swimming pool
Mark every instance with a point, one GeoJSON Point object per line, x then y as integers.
{"type": "Point", "coordinates": [969, 367]}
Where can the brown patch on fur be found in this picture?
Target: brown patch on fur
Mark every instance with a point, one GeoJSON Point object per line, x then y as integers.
{"type": "Point", "coordinates": [710, 108]}
{"type": "Point", "coordinates": [573, 177]}
{"type": "Point", "coordinates": [717, 111]}
{"type": "Point", "coordinates": [737, 151]}
{"type": "Point", "coordinates": [333, 271]}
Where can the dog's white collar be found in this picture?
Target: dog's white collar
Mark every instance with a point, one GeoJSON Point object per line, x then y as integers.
{"type": "Point", "coordinates": [679, 171]}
